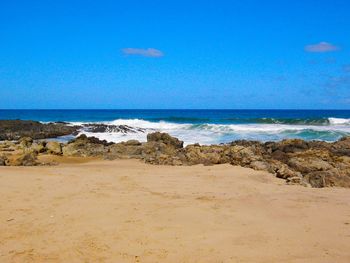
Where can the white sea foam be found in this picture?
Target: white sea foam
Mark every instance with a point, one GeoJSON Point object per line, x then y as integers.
{"type": "Point", "coordinates": [220, 133]}
{"type": "Point", "coordinates": [339, 121]}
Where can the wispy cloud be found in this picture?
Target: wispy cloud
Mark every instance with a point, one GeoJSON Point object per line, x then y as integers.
{"type": "Point", "coordinates": [321, 47]}
{"type": "Point", "coordinates": [346, 68]}
{"type": "Point", "coordinates": [328, 61]}
{"type": "Point", "coordinates": [337, 84]}
{"type": "Point", "coordinates": [144, 52]}
{"type": "Point", "coordinates": [345, 101]}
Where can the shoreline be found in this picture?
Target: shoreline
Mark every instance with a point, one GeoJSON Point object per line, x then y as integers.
{"type": "Point", "coordinates": [206, 131]}
{"type": "Point", "coordinates": [129, 211]}
{"type": "Point", "coordinates": [309, 163]}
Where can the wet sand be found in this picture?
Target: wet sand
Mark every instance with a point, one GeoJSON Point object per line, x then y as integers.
{"type": "Point", "coordinates": [127, 211]}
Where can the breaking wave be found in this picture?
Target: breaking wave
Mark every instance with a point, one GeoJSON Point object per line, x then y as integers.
{"type": "Point", "coordinates": [263, 129]}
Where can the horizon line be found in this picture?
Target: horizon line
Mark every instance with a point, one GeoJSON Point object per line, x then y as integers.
{"type": "Point", "coordinates": [214, 109]}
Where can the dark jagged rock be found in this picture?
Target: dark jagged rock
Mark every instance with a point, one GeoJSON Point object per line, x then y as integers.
{"type": "Point", "coordinates": [288, 146]}
{"type": "Point", "coordinates": [15, 129]}
{"type": "Point", "coordinates": [132, 143]}
{"type": "Point", "coordinates": [341, 147]}
{"type": "Point", "coordinates": [2, 161]}
{"type": "Point", "coordinates": [85, 139]}
{"type": "Point", "coordinates": [93, 127]}
{"type": "Point", "coordinates": [165, 138]}
{"type": "Point", "coordinates": [245, 143]}
{"type": "Point", "coordinates": [86, 146]}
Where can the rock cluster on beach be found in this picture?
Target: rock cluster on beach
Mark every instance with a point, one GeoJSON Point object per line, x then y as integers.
{"type": "Point", "coordinates": [314, 163]}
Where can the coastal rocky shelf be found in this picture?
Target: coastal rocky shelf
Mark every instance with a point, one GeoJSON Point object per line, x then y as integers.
{"type": "Point", "coordinates": [16, 129]}
{"type": "Point", "coordinates": [310, 163]}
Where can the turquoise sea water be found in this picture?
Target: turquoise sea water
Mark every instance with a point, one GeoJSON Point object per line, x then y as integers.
{"type": "Point", "coordinates": [205, 126]}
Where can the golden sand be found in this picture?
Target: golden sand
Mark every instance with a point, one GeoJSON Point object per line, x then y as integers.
{"type": "Point", "coordinates": [127, 211]}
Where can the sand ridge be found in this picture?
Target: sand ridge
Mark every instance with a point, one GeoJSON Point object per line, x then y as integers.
{"type": "Point", "coordinates": [128, 211]}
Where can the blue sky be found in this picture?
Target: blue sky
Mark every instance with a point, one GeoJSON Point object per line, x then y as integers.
{"type": "Point", "coordinates": [175, 54]}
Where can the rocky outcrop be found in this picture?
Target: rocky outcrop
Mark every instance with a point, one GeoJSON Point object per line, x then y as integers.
{"type": "Point", "coordinates": [38, 147]}
{"type": "Point", "coordinates": [25, 142]}
{"type": "Point", "coordinates": [164, 138]}
{"type": "Point", "coordinates": [2, 160]}
{"type": "Point", "coordinates": [318, 164]}
{"type": "Point", "coordinates": [86, 146]}
{"type": "Point", "coordinates": [25, 159]}
{"type": "Point", "coordinates": [341, 147]}
{"type": "Point", "coordinates": [15, 129]}
{"type": "Point", "coordinates": [314, 163]}
{"type": "Point", "coordinates": [53, 147]}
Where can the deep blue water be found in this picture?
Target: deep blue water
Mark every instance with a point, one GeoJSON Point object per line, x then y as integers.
{"type": "Point", "coordinates": [207, 126]}
{"type": "Point", "coordinates": [181, 116]}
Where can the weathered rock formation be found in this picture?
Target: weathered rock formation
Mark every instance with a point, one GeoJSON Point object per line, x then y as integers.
{"type": "Point", "coordinates": [314, 163]}
{"type": "Point", "coordinates": [15, 129]}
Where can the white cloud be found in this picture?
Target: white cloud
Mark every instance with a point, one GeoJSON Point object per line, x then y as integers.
{"type": "Point", "coordinates": [346, 68]}
{"type": "Point", "coordinates": [321, 47]}
{"type": "Point", "coordinates": [148, 52]}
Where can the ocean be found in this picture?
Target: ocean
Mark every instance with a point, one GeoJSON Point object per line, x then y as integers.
{"type": "Point", "coordinates": [205, 126]}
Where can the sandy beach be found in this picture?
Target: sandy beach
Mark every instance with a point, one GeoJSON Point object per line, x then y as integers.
{"type": "Point", "coordinates": [175, 131]}
{"type": "Point", "coordinates": [128, 211]}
